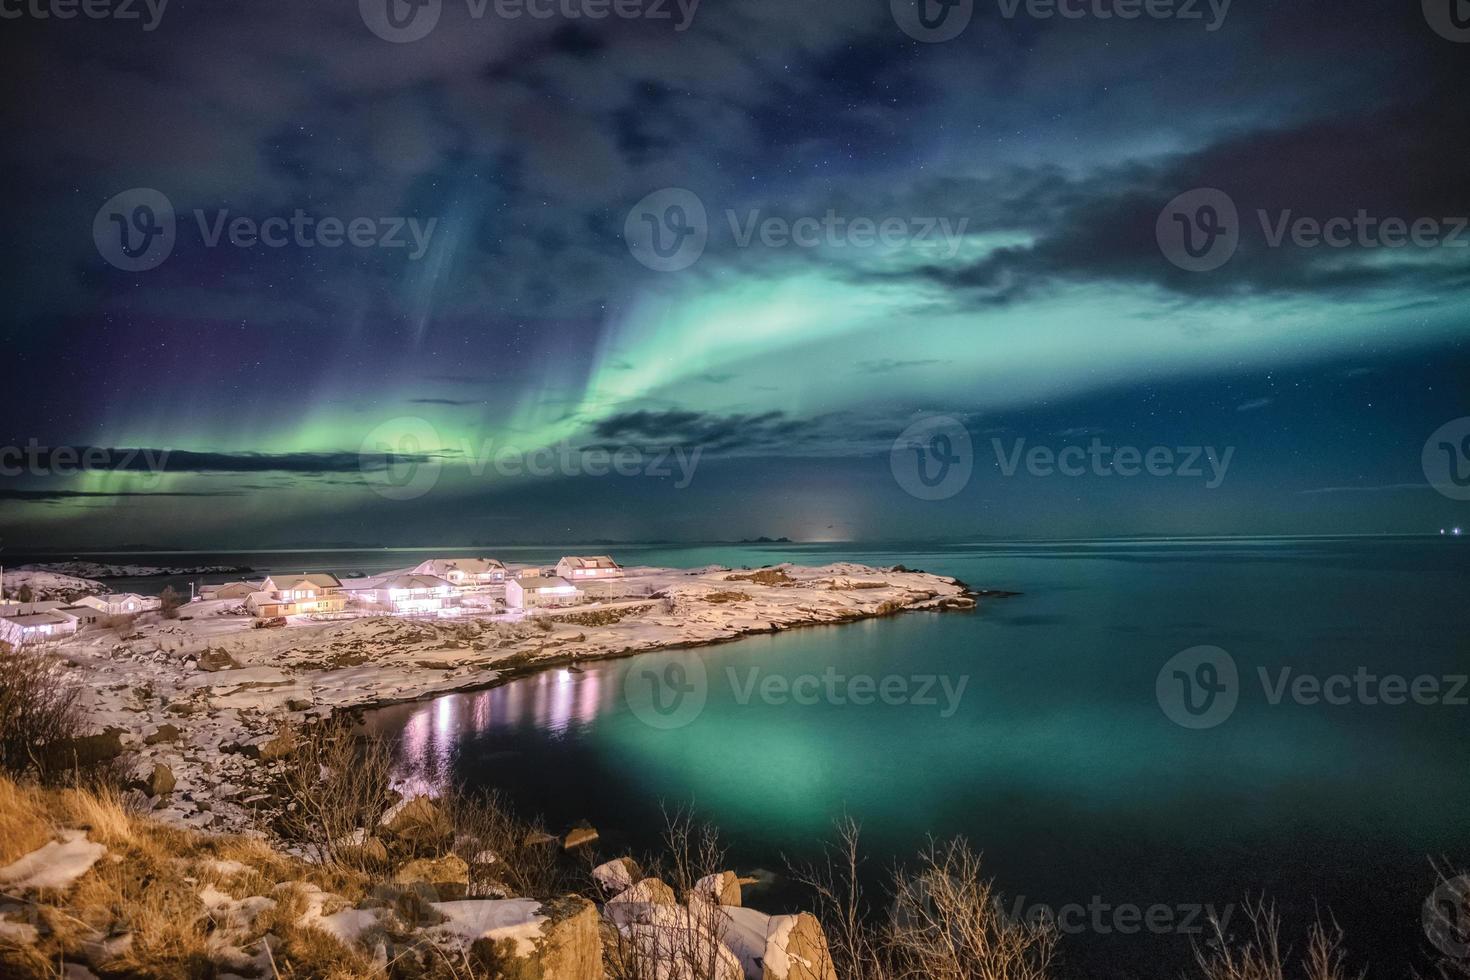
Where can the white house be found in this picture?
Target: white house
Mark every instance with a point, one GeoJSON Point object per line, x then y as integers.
{"type": "Point", "coordinates": [18, 629]}
{"type": "Point", "coordinates": [540, 590]}
{"type": "Point", "coordinates": [293, 594]}
{"type": "Point", "coordinates": [576, 568]}
{"type": "Point", "coordinates": [26, 608]}
{"type": "Point", "coordinates": [230, 590]}
{"type": "Point", "coordinates": [464, 572]}
{"type": "Point", "coordinates": [119, 603]}
{"type": "Point", "coordinates": [405, 592]}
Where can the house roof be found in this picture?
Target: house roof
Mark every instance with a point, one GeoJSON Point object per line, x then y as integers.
{"type": "Point", "coordinates": [39, 619]}
{"type": "Point", "coordinates": [589, 561]}
{"type": "Point", "coordinates": [470, 566]}
{"type": "Point", "coordinates": [318, 580]}
{"type": "Point", "coordinates": [543, 582]}
{"type": "Point", "coordinates": [401, 580]}
{"type": "Point", "coordinates": [28, 608]}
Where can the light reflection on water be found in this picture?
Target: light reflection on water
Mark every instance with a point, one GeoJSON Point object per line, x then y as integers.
{"type": "Point", "coordinates": [552, 703]}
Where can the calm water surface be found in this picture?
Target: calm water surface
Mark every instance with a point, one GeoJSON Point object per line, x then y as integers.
{"type": "Point", "coordinates": [1057, 761]}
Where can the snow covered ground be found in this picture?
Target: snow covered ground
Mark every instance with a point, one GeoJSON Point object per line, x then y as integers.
{"type": "Point", "coordinates": [203, 694]}
{"type": "Point", "coordinates": [47, 585]}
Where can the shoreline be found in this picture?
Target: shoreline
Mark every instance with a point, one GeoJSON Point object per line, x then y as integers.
{"type": "Point", "coordinates": [509, 675]}
{"type": "Point", "coordinates": [205, 696]}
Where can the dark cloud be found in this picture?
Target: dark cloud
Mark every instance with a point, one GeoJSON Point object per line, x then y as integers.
{"type": "Point", "coordinates": [45, 496]}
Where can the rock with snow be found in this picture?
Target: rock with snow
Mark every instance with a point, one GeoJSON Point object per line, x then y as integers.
{"type": "Point", "coordinates": [617, 875]}
{"type": "Point", "coordinates": [721, 889]}
{"type": "Point", "coordinates": [53, 866]}
{"type": "Point", "coordinates": [674, 942]}
{"type": "Point", "coordinates": [526, 939]}
{"type": "Point", "coordinates": [778, 947]}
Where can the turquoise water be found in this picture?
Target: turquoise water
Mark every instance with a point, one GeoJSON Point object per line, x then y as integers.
{"type": "Point", "coordinates": [1058, 761]}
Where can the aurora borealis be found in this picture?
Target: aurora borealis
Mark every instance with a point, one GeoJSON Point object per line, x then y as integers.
{"type": "Point", "coordinates": [1043, 147]}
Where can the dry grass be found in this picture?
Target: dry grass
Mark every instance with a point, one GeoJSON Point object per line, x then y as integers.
{"type": "Point", "coordinates": [24, 825]}
{"type": "Point", "coordinates": [147, 887]}
{"type": "Point", "coordinates": [763, 576]}
{"type": "Point", "coordinates": [719, 598]}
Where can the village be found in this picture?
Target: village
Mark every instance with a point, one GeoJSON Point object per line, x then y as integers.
{"type": "Point", "coordinates": [434, 588]}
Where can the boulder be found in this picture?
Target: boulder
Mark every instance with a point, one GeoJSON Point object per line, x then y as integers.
{"type": "Point", "coordinates": [722, 888]}
{"type": "Point", "coordinates": [617, 875]}
{"type": "Point", "coordinates": [449, 875]}
{"type": "Point", "coordinates": [418, 822]}
{"type": "Point", "coordinates": [536, 838]}
{"type": "Point", "coordinates": [650, 900]}
{"type": "Point", "coordinates": [277, 747]}
{"type": "Point", "coordinates": [160, 781]}
{"type": "Point", "coordinates": [676, 943]}
{"type": "Point", "coordinates": [796, 949]}
{"type": "Point", "coordinates": [578, 837]}
{"type": "Point", "coordinates": [163, 733]}
{"type": "Point", "coordinates": [370, 851]}
{"type": "Point", "coordinates": [212, 660]}
{"type": "Point", "coordinates": [523, 939]}
{"type": "Point", "coordinates": [649, 891]}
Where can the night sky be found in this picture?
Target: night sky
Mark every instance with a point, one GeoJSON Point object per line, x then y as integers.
{"type": "Point", "coordinates": [1034, 284]}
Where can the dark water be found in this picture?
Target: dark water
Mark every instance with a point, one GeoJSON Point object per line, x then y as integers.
{"type": "Point", "coordinates": [1058, 761]}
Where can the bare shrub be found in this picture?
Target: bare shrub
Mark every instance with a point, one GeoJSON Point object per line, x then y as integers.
{"type": "Point", "coordinates": [691, 851]}
{"type": "Point", "coordinates": [855, 944]}
{"type": "Point", "coordinates": [39, 710]}
{"type": "Point", "coordinates": [121, 625]}
{"type": "Point", "coordinates": [948, 924]}
{"type": "Point", "coordinates": [1259, 955]}
{"type": "Point", "coordinates": [505, 853]}
{"type": "Point", "coordinates": [654, 942]}
{"type": "Point", "coordinates": [337, 785]}
{"type": "Point", "coordinates": [169, 602]}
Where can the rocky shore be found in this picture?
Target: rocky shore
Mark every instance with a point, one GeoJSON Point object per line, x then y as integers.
{"type": "Point", "coordinates": [194, 704]}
